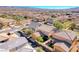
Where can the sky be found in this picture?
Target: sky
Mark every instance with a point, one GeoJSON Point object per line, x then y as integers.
{"type": "Point", "coordinates": [53, 7]}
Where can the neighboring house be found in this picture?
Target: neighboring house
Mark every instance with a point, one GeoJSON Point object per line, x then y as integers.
{"type": "Point", "coordinates": [8, 22]}
{"type": "Point", "coordinates": [33, 25]}
{"type": "Point", "coordinates": [45, 29]}
{"type": "Point", "coordinates": [13, 45]}
{"type": "Point", "coordinates": [75, 46]}
{"type": "Point", "coordinates": [60, 47]}
{"type": "Point", "coordinates": [39, 18]}
{"type": "Point", "coordinates": [66, 35]}
{"type": "Point", "coordinates": [4, 37]}
{"type": "Point", "coordinates": [12, 42]}
{"type": "Point", "coordinates": [49, 21]}
{"type": "Point", "coordinates": [62, 18]}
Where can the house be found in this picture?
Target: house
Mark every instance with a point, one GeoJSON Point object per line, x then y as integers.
{"type": "Point", "coordinates": [75, 46]}
{"type": "Point", "coordinates": [5, 37]}
{"type": "Point", "coordinates": [62, 18]}
{"type": "Point", "coordinates": [65, 35]}
{"type": "Point", "coordinates": [11, 42]}
{"type": "Point", "coordinates": [60, 47]}
{"type": "Point", "coordinates": [8, 35]}
{"type": "Point", "coordinates": [13, 45]}
{"type": "Point", "coordinates": [45, 29]}
{"type": "Point", "coordinates": [49, 21]}
{"type": "Point", "coordinates": [39, 18]}
{"type": "Point", "coordinates": [33, 25]}
{"type": "Point", "coordinates": [8, 22]}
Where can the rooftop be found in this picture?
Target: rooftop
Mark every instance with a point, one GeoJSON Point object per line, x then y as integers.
{"type": "Point", "coordinates": [46, 29]}
{"type": "Point", "coordinates": [61, 47]}
{"type": "Point", "coordinates": [66, 35]}
{"type": "Point", "coordinates": [10, 45]}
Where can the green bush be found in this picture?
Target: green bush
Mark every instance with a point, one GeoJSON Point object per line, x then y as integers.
{"type": "Point", "coordinates": [40, 39]}
{"type": "Point", "coordinates": [3, 16]}
{"type": "Point", "coordinates": [58, 24]}
{"type": "Point", "coordinates": [39, 49]}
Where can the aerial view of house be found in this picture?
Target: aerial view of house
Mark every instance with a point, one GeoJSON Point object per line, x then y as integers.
{"type": "Point", "coordinates": [34, 29]}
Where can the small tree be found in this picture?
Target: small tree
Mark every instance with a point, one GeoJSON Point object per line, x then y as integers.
{"type": "Point", "coordinates": [73, 25]}
{"type": "Point", "coordinates": [39, 49]}
{"type": "Point", "coordinates": [58, 24]}
{"type": "Point", "coordinates": [18, 19]}
{"type": "Point", "coordinates": [40, 39]}
{"type": "Point", "coordinates": [25, 17]}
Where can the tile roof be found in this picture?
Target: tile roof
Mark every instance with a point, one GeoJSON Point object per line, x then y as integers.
{"type": "Point", "coordinates": [45, 29]}
{"type": "Point", "coordinates": [61, 47]}
{"type": "Point", "coordinates": [13, 44]}
{"type": "Point", "coordinates": [67, 36]}
{"type": "Point", "coordinates": [33, 25]}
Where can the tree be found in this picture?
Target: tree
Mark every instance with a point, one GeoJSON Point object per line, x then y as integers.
{"type": "Point", "coordinates": [69, 25]}
{"type": "Point", "coordinates": [58, 24]}
{"type": "Point", "coordinates": [73, 25]}
{"type": "Point", "coordinates": [39, 49]}
{"type": "Point", "coordinates": [40, 39]}
{"type": "Point", "coordinates": [25, 17]}
{"type": "Point", "coordinates": [18, 19]}
{"type": "Point", "coordinates": [3, 16]}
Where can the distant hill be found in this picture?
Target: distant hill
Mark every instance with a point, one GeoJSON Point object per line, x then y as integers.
{"type": "Point", "coordinates": [14, 9]}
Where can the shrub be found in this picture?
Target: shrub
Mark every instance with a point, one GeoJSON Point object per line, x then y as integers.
{"type": "Point", "coordinates": [58, 24]}
{"type": "Point", "coordinates": [40, 39]}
